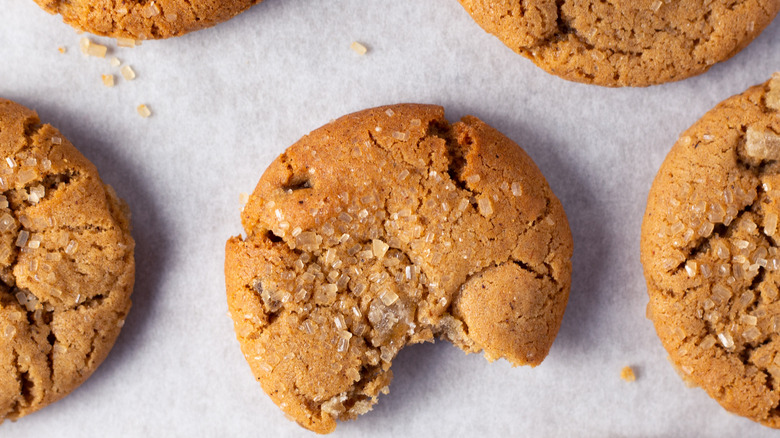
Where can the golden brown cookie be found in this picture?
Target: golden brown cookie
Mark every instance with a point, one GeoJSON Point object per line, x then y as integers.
{"type": "Point", "coordinates": [66, 264]}
{"type": "Point", "coordinates": [710, 253]}
{"type": "Point", "coordinates": [388, 227]}
{"type": "Point", "coordinates": [144, 19]}
{"type": "Point", "coordinates": [624, 42]}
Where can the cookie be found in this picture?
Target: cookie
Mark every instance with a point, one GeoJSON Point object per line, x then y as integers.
{"type": "Point", "coordinates": [710, 253]}
{"type": "Point", "coordinates": [66, 264]}
{"type": "Point", "coordinates": [389, 227]}
{"type": "Point", "coordinates": [141, 19]}
{"type": "Point", "coordinates": [624, 43]}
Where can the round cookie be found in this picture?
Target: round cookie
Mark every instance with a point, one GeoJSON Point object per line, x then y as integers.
{"type": "Point", "coordinates": [142, 19]}
{"type": "Point", "coordinates": [710, 253]}
{"type": "Point", "coordinates": [624, 42]}
{"type": "Point", "coordinates": [66, 264]}
{"type": "Point", "coordinates": [388, 227]}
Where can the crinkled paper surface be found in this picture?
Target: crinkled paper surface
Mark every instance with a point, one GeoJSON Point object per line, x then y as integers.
{"type": "Point", "coordinates": [227, 100]}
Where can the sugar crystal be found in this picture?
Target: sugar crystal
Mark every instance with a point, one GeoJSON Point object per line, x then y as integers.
{"type": "Point", "coordinates": [762, 144]}
{"type": "Point", "coordinates": [748, 319]}
{"type": "Point", "coordinates": [400, 136]}
{"type": "Point", "coordinates": [358, 48]}
{"type": "Point", "coordinates": [93, 49]}
{"type": "Point", "coordinates": [108, 80]}
{"type": "Point", "coordinates": [388, 297]}
{"type": "Point", "coordinates": [690, 268]}
{"type": "Point", "coordinates": [485, 207]}
{"type": "Point", "coordinates": [751, 334]}
{"type": "Point", "coordinates": [21, 240]}
{"type": "Point", "coordinates": [473, 179]}
{"type": "Point", "coordinates": [770, 224]}
{"type": "Point", "coordinates": [71, 248]}
{"type": "Point", "coordinates": [144, 111]}
{"type": "Point", "coordinates": [345, 217]}
{"type": "Point", "coordinates": [379, 248]}
{"type": "Point", "coordinates": [127, 72]}
{"type": "Point", "coordinates": [720, 293]}
{"type": "Point", "coordinates": [726, 340]}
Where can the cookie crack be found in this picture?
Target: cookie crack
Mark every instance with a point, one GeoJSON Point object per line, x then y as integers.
{"type": "Point", "coordinates": [26, 385]}
{"type": "Point", "coordinates": [52, 340]}
{"type": "Point", "coordinates": [32, 127]}
{"type": "Point", "coordinates": [702, 244]}
{"type": "Point", "coordinates": [93, 341]}
{"type": "Point", "coordinates": [16, 407]}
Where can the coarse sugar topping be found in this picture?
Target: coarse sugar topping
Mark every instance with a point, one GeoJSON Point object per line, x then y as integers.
{"type": "Point", "coordinates": [772, 98]}
{"type": "Point", "coordinates": [376, 249]}
{"type": "Point", "coordinates": [762, 144]}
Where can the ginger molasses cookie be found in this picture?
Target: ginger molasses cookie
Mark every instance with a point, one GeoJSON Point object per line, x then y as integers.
{"type": "Point", "coordinates": [710, 253]}
{"type": "Point", "coordinates": [388, 227]}
{"type": "Point", "coordinates": [66, 264]}
{"type": "Point", "coordinates": [624, 42]}
{"type": "Point", "coordinates": [144, 19]}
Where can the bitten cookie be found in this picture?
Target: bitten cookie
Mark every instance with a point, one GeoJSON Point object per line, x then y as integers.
{"type": "Point", "coordinates": [66, 264]}
{"type": "Point", "coordinates": [142, 19]}
{"type": "Point", "coordinates": [388, 227]}
{"type": "Point", "coordinates": [710, 253]}
{"type": "Point", "coordinates": [625, 42]}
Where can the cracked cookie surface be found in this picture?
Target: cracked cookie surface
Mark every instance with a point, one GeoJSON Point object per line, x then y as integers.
{"type": "Point", "coordinates": [144, 19]}
{"type": "Point", "coordinates": [710, 253]}
{"type": "Point", "coordinates": [66, 264]}
{"type": "Point", "coordinates": [389, 227]}
{"type": "Point", "coordinates": [624, 42]}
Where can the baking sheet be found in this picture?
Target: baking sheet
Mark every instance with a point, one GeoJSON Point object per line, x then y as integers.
{"type": "Point", "coordinates": [227, 100]}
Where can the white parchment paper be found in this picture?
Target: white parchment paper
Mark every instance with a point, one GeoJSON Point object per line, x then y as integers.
{"type": "Point", "coordinates": [227, 100]}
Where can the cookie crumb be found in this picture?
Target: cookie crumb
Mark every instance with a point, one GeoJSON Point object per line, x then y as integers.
{"type": "Point", "coordinates": [627, 374]}
{"type": "Point", "coordinates": [128, 73]}
{"type": "Point", "coordinates": [108, 80]}
{"type": "Point", "coordinates": [115, 62]}
{"type": "Point", "coordinates": [144, 111]}
{"type": "Point", "coordinates": [358, 48]}
{"type": "Point", "coordinates": [62, 49]}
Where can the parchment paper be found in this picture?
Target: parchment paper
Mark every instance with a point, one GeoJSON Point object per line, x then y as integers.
{"type": "Point", "coordinates": [227, 100]}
